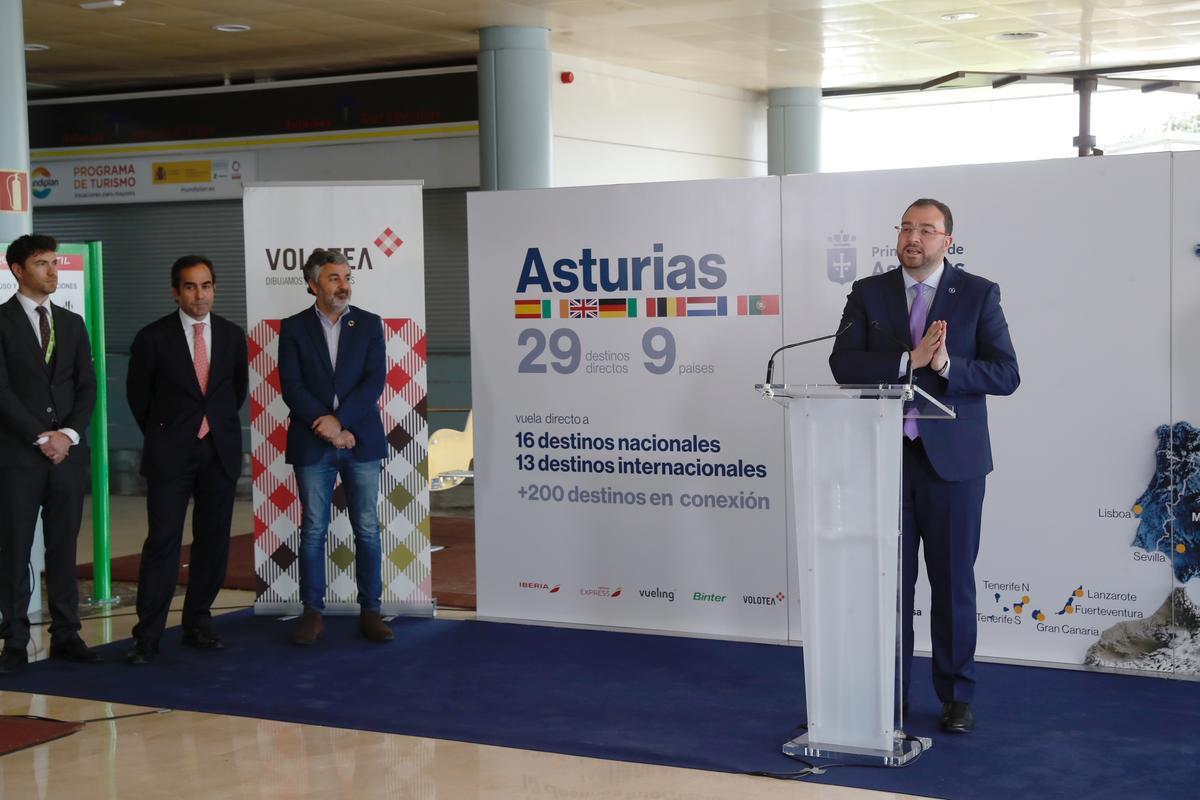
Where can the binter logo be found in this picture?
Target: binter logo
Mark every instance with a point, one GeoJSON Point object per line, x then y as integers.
{"type": "Point", "coordinates": [763, 600]}
{"type": "Point", "coordinates": [704, 597]}
{"type": "Point", "coordinates": [545, 587]}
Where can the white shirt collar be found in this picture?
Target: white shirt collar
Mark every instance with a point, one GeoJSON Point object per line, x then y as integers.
{"type": "Point", "coordinates": [30, 306]}
{"type": "Point", "coordinates": [931, 281]}
{"type": "Point", "coordinates": [188, 322]}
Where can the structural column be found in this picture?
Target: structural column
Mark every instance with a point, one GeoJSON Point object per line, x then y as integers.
{"type": "Point", "coordinates": [15, 197]}
{"type": "Point", "coordinates": [793, 130]}
{"type": "Point", "coordinates": [514, 108]}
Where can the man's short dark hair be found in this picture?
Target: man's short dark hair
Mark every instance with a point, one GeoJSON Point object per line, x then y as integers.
{"type": "Point", "coordinates": [929, 202]}
{"type": "Point", "coordinates": [318, 258]}
{"type": "Point", "coordinates": [25, 247]}
{"type": "Point", "coordinates": [190, 261]}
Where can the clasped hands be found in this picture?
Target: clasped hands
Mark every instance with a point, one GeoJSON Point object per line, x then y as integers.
{"type": "Point", "coordinates": [931, 350]}
{"type": "Point", "coordinates": [55, 447]}
{"type": "Point", "coordinates": [330, 429]}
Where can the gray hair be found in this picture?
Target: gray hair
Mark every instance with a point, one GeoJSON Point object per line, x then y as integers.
{"type": "Point", "coordinates": [319, 258]}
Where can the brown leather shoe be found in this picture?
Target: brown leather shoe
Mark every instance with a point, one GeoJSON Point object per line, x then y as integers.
{"type": "Point", "coordinates": [310, 628]}
{"type": "Point", "coordinates": [372, 626]}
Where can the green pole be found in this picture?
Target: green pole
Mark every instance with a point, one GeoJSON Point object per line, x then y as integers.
{"type": "Point", "coordinates": [93, 282]}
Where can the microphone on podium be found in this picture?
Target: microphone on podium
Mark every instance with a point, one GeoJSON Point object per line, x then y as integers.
{"type": "Point", "coordinates": [771, 360]}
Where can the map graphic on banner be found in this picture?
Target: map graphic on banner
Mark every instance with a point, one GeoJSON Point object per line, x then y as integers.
{"type": "Point", "coordinates": [1168, 515]}
{"type": "Point", "coordinates": [378, 227]}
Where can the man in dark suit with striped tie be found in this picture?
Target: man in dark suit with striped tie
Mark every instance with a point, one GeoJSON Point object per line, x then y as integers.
{"type": "Point", "coordinates": [188, 377]}
{"type": "Point", "coordinates": [47, 392]}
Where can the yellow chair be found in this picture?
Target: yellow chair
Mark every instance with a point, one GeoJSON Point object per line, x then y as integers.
{"type": "Point", "coordinates": [451, 453]}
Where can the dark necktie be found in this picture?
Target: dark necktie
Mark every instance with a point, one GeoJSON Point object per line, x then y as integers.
{"type": "Point", "coordinates": [44, 330]}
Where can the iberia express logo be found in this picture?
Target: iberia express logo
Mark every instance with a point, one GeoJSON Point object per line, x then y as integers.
{"type": "Point", "coordinates": [43, 182]}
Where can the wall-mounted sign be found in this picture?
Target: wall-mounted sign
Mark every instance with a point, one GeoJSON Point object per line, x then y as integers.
{"type": "Point", "coordinates": [144, 179]}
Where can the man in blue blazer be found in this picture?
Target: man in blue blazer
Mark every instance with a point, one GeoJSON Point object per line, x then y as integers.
{"type": "Point", "coordinates": [332, 367]}
{"type": "Point", "coordinates": [947, 326]}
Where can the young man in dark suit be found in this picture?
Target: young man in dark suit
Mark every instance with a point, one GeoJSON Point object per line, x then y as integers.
{"type": "Point", "coordinates": [47, 392]}
{"type": "Point", "coordinates": [332, 367]}
{"type": "Point", "coordinates": [188, 376]}
{"type": "Point", "coordinates": [959, 349]}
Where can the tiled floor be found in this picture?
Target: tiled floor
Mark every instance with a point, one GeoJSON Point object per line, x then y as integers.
{"type": "Point", "coordinates": [178, 755]}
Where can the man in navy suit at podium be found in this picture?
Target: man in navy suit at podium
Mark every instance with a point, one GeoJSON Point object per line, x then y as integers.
{"type": "Point", "coordinates": [947, 326]}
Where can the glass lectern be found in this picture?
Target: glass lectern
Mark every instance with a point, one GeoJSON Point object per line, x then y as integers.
{"type": "Point", "coordinates": [846, 463]}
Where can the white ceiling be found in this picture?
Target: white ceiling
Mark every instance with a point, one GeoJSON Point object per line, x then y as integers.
{"type": "Point", "coordinates": [751, 44]}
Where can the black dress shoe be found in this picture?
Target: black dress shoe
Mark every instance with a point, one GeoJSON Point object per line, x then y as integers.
{"type": "Point", "coordinates": [13, 660]}
{"type": "Point", "coordinates": [73, 649]}
{"type": "Point", "coordinates": [143, 652]}
{"type": "Point", "coordinates": [957, 717]}
{"type": "Point", "coordinates": [202, 639]}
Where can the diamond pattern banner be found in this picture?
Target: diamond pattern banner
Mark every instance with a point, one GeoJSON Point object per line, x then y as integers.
{"type": "Point", "coordinates": [403, 484]}
{"type": "Point", "coordinates": [379, 228]}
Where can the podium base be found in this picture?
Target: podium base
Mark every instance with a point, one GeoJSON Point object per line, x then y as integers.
{"type": "Point", "coordinates": [904, 749]}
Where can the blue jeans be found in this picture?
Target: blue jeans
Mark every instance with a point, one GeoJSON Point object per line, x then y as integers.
{"type": "Point", "coordinates": [361, 482]}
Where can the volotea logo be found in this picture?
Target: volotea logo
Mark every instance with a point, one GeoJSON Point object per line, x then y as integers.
{"type": "Point", "coordinates": [388, 242]}
{"type": "Point", "coordinates": [763, 599]}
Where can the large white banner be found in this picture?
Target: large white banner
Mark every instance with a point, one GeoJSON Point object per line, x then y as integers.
{"type": "Point", "coordinates": [378, 226]}
{"type": "Point", "coordinates": [1092, 517]}
{"type": "Point", "coordinates": [627, 474]}
{"type": "Point", "coordinates": [1081, 249]}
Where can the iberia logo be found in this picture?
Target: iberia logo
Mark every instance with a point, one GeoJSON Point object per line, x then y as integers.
{"type": "Point", "coordinates": [545, 587]}
{"type": "Point", "coordinates": [43, 182]}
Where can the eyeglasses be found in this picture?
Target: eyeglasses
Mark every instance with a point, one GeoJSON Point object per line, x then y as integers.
{"type": "Point", "coordinates": [924, 231]}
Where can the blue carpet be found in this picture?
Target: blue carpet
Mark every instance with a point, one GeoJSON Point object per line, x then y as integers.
{"type": "Point", "coordinates": [663, 700]}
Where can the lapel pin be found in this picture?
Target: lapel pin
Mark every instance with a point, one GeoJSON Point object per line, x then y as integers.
{"type": "Point", "coordinates": [350, 322]}
{"type": "Point", "coordinates": [951, 290]}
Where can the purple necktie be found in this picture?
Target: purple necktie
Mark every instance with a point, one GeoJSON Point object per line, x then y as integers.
{"type": "Point", "coordinates": [916, 326]}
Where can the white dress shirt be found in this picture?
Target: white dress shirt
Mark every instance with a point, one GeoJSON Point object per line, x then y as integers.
{"type": "Point", "coordinates": [31, 311]}
{"type": "Point", "coordinates": [190, 335]}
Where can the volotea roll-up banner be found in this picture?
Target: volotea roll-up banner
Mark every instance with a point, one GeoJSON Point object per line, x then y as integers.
{"type": "Point", "coordinates": [627, 473]}
{"type": "Point", "coordinates": [378, 226]}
